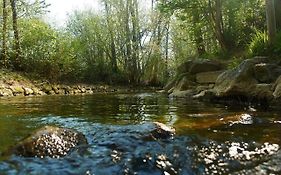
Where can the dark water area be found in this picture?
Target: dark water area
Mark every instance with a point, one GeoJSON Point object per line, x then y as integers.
{"type": "Point", "coordinates": [210, 138]}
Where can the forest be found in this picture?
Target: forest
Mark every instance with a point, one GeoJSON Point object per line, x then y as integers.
{"type": "Point", "coordinates": [127, 43]}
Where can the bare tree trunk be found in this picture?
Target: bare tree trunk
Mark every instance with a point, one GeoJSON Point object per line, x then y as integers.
{"type": "Point", "coordinates": [219, 25]}
{"type": "Point", "coordinates": [271, 21]}
{"type": "Point", "coordinates": [135, 39]}
{"type": "Point", "coordinates": [17, 63]}
{"type": "Point", "coordinates": [112, 42]}
{"type": "Point", "coordinates": [198, 34]}
{"type": "Point", "coordinates": [4, 36]}
{"type": "Point", "coordinates": [278, 14]}
{"type": "Point", "coordinates": [167, 49]}
{"type": "Point", "coordinates": [128, 43]}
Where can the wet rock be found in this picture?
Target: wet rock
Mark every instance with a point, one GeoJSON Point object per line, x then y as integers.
{"type": "Point", "coordinates": [182, 94]}
{"type": "Point", "coordinates": [49, 141]}
{"type": "Point", "coordinates": [205, 95]}
{"type": "Point", "coordinates": [158, 130]}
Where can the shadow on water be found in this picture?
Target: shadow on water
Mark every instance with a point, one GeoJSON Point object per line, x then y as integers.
{"type": "Point", "coordinates": [211, 139]}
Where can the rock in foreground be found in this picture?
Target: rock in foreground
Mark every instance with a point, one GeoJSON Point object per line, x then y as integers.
{"type": "Point", "coordinates": [158, 130]}
{"type": "Point", "coordinates": [49, 141]}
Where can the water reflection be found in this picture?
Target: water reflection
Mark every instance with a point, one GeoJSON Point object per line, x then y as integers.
{"type": "Point", "coordinates": [209, 137]}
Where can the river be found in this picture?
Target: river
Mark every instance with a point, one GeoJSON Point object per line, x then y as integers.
{"type": "Point", "coordinates": [210, 138]}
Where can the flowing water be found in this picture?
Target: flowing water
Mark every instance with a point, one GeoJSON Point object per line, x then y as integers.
{"type": "Point", "coordinates": [210, 138]}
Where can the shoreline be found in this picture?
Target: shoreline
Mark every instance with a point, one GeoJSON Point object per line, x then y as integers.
{"type": "Point", "coordinates": [15, 84]}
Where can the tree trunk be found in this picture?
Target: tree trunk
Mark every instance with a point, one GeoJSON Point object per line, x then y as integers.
{"type": "Point", "coordinates": [128, 43]}
{"type": "Point", "coordinates": [167, 50]}
{"type": "Point", "coordinates": [112, 42]}
{"type": "Point", "coordinates": [271, 21]}
{"type": "Point", "coordinates": [278, 14]}
{"type": "Point", "coordinates": [4, 36]}
{"type": "Point", "coordinates": [17, 63]}
{"type": "Point", "coordinates": [219, 25]}
{"type": "Point", "coordinates": [135, 39]}
{"type": "Point", "coordinates": [198, 34]}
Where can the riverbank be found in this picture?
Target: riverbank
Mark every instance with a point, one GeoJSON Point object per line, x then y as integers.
{"type": "Point", "coordinates": [255, 81]}
{"type": "Point", "coordinates": [18, 84]}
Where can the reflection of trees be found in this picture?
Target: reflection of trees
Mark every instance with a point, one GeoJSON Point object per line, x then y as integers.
{"type": "Point", "coordinates": [12, 129]}
{"type": "Point", "coordinates": [144, 107]}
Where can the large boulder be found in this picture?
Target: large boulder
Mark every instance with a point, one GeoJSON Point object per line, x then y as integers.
{"type": "Point", "coordinates": [208, 77]}
{"type": "Point", "coordinates": [205, 66]}
{"type": "Point", "coordinates": [199, 66]}
{"type": "Point", "coordinates": [49, 141]}
{"type": "Point", "coordinates": [248, 81]}
{"type": "Point", "coordinates": [192, 73]}
{"type": "Point", "coordinates": [266, 72]}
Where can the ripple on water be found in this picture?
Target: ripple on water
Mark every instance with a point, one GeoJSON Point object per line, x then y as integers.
{"type": "Point", "coordinates": [122, 150]}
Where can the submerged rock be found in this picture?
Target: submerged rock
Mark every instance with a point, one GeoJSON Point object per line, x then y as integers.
{"type": "Point", "coordinates": [49, 141]}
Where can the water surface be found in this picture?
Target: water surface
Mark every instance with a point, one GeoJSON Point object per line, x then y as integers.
{"type": "Point", "coordinates": [210, 138]}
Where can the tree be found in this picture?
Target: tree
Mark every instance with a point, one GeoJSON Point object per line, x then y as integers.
{"type": "Point", "coordinates": [110, 28]}
{"type": "Point", "coordinates": [219, 27]}
{"type": "Point", "coordinates": [271, 20]}
{"type": "Point", "coordinates": [278, 14]}
{"type": "Point", "coordinates": [4, 36]}
{"type": "Point", "coordinates": [17, 51]}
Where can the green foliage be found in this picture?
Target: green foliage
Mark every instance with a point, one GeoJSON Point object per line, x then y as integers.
{"type": "Point", "coordinates": [125, 44]}
{"type": "Point", "coordinates": [47, 52]}
{"type": "Point", "coordinates": [259, 44]}
{"type": "Point", "coordinates": [90, 44]}
{"type": "Point", "coordinates": [277, 44]}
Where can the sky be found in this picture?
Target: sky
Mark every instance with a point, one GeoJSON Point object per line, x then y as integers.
{"type": "Point", "coordinates": [60, 9]}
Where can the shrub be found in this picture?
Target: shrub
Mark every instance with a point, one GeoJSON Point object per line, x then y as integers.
{"type": "Point", "coordinates": [259, 44]}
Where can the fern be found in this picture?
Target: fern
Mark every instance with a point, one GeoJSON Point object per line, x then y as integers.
{"type": "Point", "coordinates": [259, 44]}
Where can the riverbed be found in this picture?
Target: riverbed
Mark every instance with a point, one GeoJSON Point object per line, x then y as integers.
{"type": "Point", "coordinates": [210, 138]}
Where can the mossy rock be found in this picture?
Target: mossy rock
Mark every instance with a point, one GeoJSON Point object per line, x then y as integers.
{"type": "Point", "coordinates": [17, 90]}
